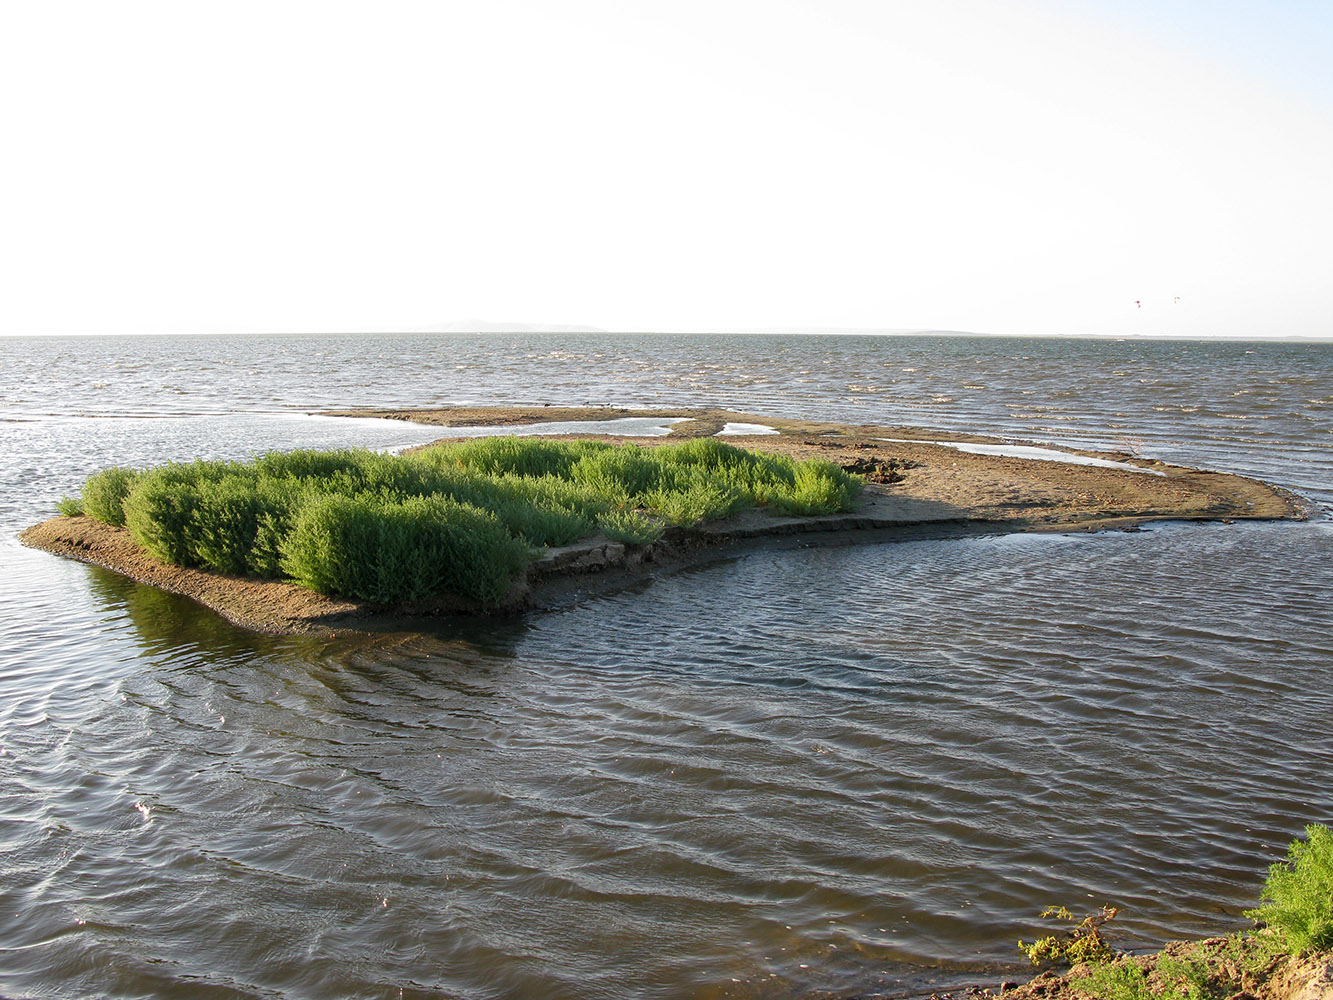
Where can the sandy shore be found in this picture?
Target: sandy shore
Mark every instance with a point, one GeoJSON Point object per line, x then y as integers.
{"type": "Point", "coordinates": [915, 489]}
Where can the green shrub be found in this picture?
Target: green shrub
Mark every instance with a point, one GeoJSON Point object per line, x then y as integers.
{"type": "Point", "coordinates": [688, 496]}
{"type": "Point", "coordinates": [516, 456]}
{"type": "Point", "coordinates": [707, 453]}
{"type": "Point", "coordinates": [158, 512]}
{"type": "Point", "coordinates": [819, 487]}
{"type": "Point", "coordinates": [1297, 901]}
{"type": "Point", "coordinates": [235, 524]}
{"type": "Point", "coordinates": [580, 498]}
{"type": "Point", "coordinates": [541, 524]}
{"type": "Point", "coordinates": [389, 551]}
{"type": "Point", "coordinates": [69, 507]}
{"type": "Point", "coordinates": [309, 465]}
{"type": "Point", "coordinates": [104, 494]}
{"type": "Point", "coordinates": [272, 527]}
{"type": "Point", "coordinates": [628, 470]}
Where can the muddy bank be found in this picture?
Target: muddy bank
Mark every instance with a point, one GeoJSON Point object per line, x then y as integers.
{"type": "Point", "coordinates": [914, 489]}
{"type": "Point", "coordinates": [1232, 976]}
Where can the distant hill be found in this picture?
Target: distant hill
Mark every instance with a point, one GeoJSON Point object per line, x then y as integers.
{"type": "Point", "coordinates": [502, 326]}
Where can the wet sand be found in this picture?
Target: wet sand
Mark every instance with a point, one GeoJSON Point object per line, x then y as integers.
{"type": "Point", "coordinates": [915, 489]}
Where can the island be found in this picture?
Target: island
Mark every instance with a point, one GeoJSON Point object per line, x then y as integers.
{"type": "Point", "coordinates": [782, 482]}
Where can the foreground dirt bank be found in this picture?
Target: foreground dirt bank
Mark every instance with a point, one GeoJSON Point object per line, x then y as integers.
{"type": "Point", "coordinates": [1230, 977]}
{"type": "Point", "coordinates": [915, 489]}
{"type": "Point", "coordinates": [1234, 967]}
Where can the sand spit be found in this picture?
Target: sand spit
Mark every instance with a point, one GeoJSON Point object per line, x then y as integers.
{"type": "Point", "coordinates": [914, 489]}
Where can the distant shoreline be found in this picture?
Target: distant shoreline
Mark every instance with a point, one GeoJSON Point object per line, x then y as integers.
{"type": "Point", "coordinates": [582, 332]}
{"type": "Point", "coordinates": [917, 489]}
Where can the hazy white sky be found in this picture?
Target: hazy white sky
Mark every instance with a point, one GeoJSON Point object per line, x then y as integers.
{"type": "Point", "coordinates": [1006, 166]}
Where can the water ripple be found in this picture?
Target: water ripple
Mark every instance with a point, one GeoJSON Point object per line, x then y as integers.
{"type": "Point", "coordinates": [792, 771]}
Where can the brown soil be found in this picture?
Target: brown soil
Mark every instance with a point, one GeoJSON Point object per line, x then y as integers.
{"type": "Point", "coordinates": [1282, 978]}
{"type": "Point", "coordinates": [1229, 976]}
{"type": "Point", "coordinates": [915, 489]}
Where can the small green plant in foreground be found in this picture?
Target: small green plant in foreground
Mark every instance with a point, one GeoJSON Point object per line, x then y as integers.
{"type": "Point", "coordinates": [462, 517]}
{"type": "Point", "coordinates": [1297, 901]}
{"type": "Point", "coordinates": [1082, 943]}
{"type": "Point", "coordinates": [1170, 978]}
{"type": "Point", "coordinates": [1121, 980]}
{"type": "Point", "coordinates": [1295, 917]}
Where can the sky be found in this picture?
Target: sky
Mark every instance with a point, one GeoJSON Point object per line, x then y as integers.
{"type": "Point", "coordinates": [1076, 167]}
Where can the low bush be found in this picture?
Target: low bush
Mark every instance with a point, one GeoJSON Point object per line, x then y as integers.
{"type": "Point", "coordinates": [104, 494]}
{"type": "Point", "coordinates": [158, 513]}
{"type": "Point", "coordinates": [689, 494]}
{"type": "Point", "coordinates": [1188, 977]}
{"type": "Point", "coordinates": [630, 526]}
{"type": "Point", "coordinates": [627, 470]}
{"type": "Point", "coordinates": [390, 551]}
{"type": "Point", "coordinates": [1297, 901]}
{"type": "Point", "coordinates": [516, 456]}
{"type": "Point", "coordinates": [239, 524]}
{"type": "Point", "coordinates": [819, 488]}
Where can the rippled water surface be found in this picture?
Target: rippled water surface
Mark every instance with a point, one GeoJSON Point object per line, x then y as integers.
{"type": "Point", "coordinates": [774, 775]}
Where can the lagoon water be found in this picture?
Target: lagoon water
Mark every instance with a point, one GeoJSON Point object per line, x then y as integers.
{"type": "Point", "coordinates": [791, 773]}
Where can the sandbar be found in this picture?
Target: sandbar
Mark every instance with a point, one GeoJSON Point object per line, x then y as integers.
{"type": "Point", "coordinates": [915, 488]}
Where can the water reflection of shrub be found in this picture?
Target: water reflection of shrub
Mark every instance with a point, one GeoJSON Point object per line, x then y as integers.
{"type": "Point", "coordinates": [160, 619]}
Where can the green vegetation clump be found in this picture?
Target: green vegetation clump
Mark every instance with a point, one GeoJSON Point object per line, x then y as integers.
{"type": "Point", "coordinates": [1187, 977]}
{"type": "Point", "coordinates": [1295, 917]}
{"type": "Point", "coordinates": [461, 517]}
{"type": "Point", "coordinates": [387, 549]}
{"type": "Point", "coordinates": [1119, 980]}
{"type": "Point", "coordinates": [104, 494]}
{"type": "Point", "coordinates": [1082, 943]}
{"type": "Point", "coordinates": [1297, 901]}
